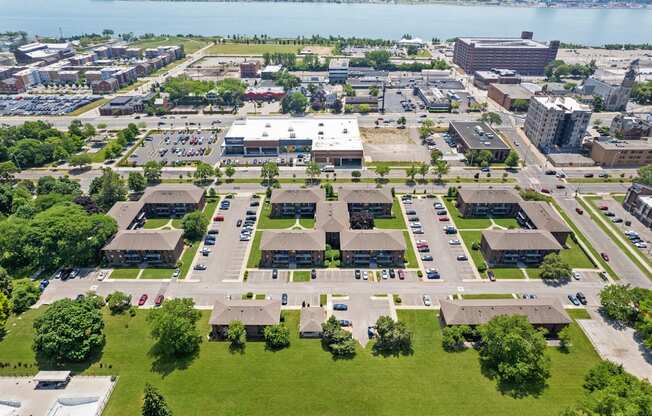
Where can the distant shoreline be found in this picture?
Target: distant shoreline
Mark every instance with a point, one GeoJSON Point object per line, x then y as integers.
{"type": "Point", "coordinates": [588, 6]}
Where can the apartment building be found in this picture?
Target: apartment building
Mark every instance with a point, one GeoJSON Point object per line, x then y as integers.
{"type": "Point", "coordinates": [295, 202]}
{"type": "Point", "coordinates": [376, 201]}
{"type": "Point", "coordinates": [509, 247]}
{"type": "Point", "coordinates": [556, 123]}
{"type": "Point", "coordinates": [292, 249]}
{"type": "Point", "coordinates": [250, 69]}
{"type": "Point", "coordinates": [523, 55]}
{"type": "Point", "coordinates": [133, 247]}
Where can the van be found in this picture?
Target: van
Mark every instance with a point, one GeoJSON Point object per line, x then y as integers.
{"type": "Point", "coordinates": [328, 168]}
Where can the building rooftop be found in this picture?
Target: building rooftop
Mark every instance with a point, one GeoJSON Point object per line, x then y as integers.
{"type": "Point", "coordinates": [478, 135]}
{"type": "Point", "coordinates": [489, 196]}
{"type": "Point", "coordinates": [514, 91]}
{"type": "Point", "coordinates": [338, 64]}
{"type": "Point", "coordinates": [540, 311]}
{"type": "Point", "coordinates": [544, 217]}
{"type": "Point", "coordinates": [332, 217]}
{"type": "Point", "coordinates": [249, 312]}
{"type": "Point", "coordinates": [311, 318]}
{"type": "Point", "coordinates": [503, 43]}
{"type": "Point", "coordinates": [615, 144]}
{"type": "Point", "coordinates": [520, 240]}
{"type": "Point", "coordinates": [365, 196]}
{"type": "Point", "coordinates": [173, 194]}
{"type": "Point", "coordinates": [124, 212]}
{"type": "Point", "coordinates": [294, 240]}
{"type": "Point", "coordinates": [561, 103]}
{"type": "Point", "coordinates": [297, 196]}
{"type": "Point", "coordinates": [141, 240]}
{"type": "Point", "coordinates": [363, 240]}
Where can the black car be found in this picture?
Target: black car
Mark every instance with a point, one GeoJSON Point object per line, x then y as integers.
{"type": "Point", "coordinates": [313, 274]}
{"type": "Point", "coordinates": [441, 212]}
{"type": "Point", "coordinates": [357, 274]}
{"type": "Point", "coordinates": [238, 223]}
{"type": "Point", "coordinates": [580, 296]}
{"type": "Point", "coordinates": [274, 273]}
{"type": "Point", "coordinates": [284, 299]}
{"type": "Point", "coordinates": [551, 172]}
{"type": "Point", "coordinates": [411, 212]}
{"type": "Point", "coordinates": [392, 273]}
{"type": "Point", "coordinates": [254, 204]}
{"type": "Point", "coordinates": [413, 219]}
{"type": "Point", "coordinates": [249, 212]}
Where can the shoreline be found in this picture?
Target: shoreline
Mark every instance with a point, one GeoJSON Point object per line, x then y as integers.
{"type": "Point", "coordinates": [639, 6]}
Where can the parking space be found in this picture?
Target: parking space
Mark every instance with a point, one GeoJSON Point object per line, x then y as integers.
{"type": "Point", "coordinates": [337, 275]}
{"type": "Point", "coordinates": [227, 256]}
{"type": "Point", "coordinates": [362, 312]}
{"type": "Point", "coordinates": [266, 276]}
{"type": "Point", "coordinates": [443, 255]}
{"type": "Point", "coordinates": [179, 147]}
{"type": "Point", "coordinates": [51, 105]}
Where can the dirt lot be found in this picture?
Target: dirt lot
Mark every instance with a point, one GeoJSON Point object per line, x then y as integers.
{"type": "Point", "coordinates": [386, 136]}
{"type": "Point", "coordinates": [603, 58]}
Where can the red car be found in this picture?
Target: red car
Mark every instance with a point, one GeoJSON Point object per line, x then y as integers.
{"type": "Point", "coordinates": [218, 218]}
{"type": "Point", "coordinates": [545, 190]}
{"type": "Point", "coordinates": [443, 219]}
{"type": "Point", "coordinates": [142, 300]}
{"type": "Point", "coordinates": [604, 208]}
{"type": "Point", "coordinates": [579, 211]}
{"type": "Point", "coordinates": [401, 274]}
{"type": "Point", "coordinates": [159, 300]}
{"type": "Point", "coordinates": [604, 256]}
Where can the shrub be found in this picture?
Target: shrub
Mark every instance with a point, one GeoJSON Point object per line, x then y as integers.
{"type": "Point", "coordinates": [482, 267]}
{"type": "Point", "coordinates": [453, 337]}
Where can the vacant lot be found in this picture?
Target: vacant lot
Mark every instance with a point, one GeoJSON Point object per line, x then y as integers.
{"type": "Point", "coordinates": [259, 49]}
{"type": "Point", "coordinates": [385, 136]}
{"type": "Point", "coordinates": [190, 45]}
{"type": "Point", "coordinates": [304, 379]}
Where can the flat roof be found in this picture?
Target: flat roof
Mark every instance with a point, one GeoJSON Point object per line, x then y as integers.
{"type": "Point", "coordinates": [340, 63]}
{"type": "Point", "coordinates": [341, 133]}
{"type": "Point", "coordinates": [561, 103]}
{"type": "Point", "coordinates": [503, 43]}
{"type": "Point", "coordinates": [539, 311]}
{"type": "Point", "coordinates": [468, 132]}
{"type": "Point", "coordinates": [615, 144]}
{"type": "Point", "coordinates": [514, 91]}
{"type": "Point", "coordinates": [51, 376]}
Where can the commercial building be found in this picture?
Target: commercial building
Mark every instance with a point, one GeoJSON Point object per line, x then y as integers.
{"type": "Point", "coordinates": [124, 105]}
{"type": "Point", "coordinates": [613, 153]}
{"type": "Point", "coordinates": [615, 93]}
{"type": "Point", "coordinates": [133, 247]}
{"type": "Point", "coordinates": [264, 93]}
{"type": "Point", "coordinates": [255, 315]}
{"type": "Point", "coordinates": [355, 104]}
{"type": "Point", "coordinates": [630, 127]}
{"type": "Point", "coordinates": [295, 202]}
{"type": "Point", "coordinates": [433, 99]}
{"type": "Point", "coordinates": [541, 312]}
{"type": "Point", "coordinates": [523, 55]}
{"type": "Point", "coordinates": [43, 52]}
{"type": "Point", "coordinates": [482, 79]}
{"type": "Point", "coordinates": [556, 123]}
{"type": "Point", "coordinates": [638, 201]}
{"type": "Point", "coordinates": [338, 71]}
{"type": "Point", "coordinates": [478, 136]}
{"type": "Point", "coordinates": [250, 69]}
{"type": "Point", "coordinates": [513, 97]}
{"type": "Point", "coordinates": [334, 141]}
{"type": "Point", "coordinates": [271, 71]}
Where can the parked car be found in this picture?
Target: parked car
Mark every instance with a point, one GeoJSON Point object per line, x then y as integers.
{"type": "Point", "coordinates": [284, 299]}
{"type": "Point", "coordinates": [426, 300]}
{"type": "Point", "coordinates": [274, 273]}
{"type": "Point", "coordinates": [579, 211]}
{"type": "Point", "coordinates": [384, 274]}
{"type": "Point", "coordinates": [365, 275]}
{"type": "Point", "coordinates": [159, 300]}
{"type": "Point", "coordinates": [454, 242]}
{"type": "Point", "coordinates": [441, 212]}
{"type": "Point", "coordinates": [605, 256]}
{"type": "Point", "coordinates": [438, 205]}
{"type": "Point", "coordinates": [218, 218]}
{"type": "Point", "coordinates": [580, 296]}
{"type": "Point", "coordinates": [142, 300]}
{"type": "Point", "coordinates": [200, 266]}
{"type": "Point", "coordinates": [340, 307]}
{"type": "Point", "coordinates": [313, 274]}
{"type": "Point", "coordinates": [491, 275]}
{"type": "Point", "coordinates": [462, 257]}
{"type": "Point", "coordinates": [432, 274]}
{"type": "Point", "coordinates": [426, 257]}
{"type": "Point", "coordinates": [357, 274]}
{"type": "Point", "coordinates": [401, 274]}
{"type": "Point", "coordinates": [574, 300]}
{"type": "Point", "coordinates": [238, 223]}
{"type": "Point", "coordinates": [545, 190]}
{"type": "Point", "coordinates": [443, 219]}
{"type": "Point", "coordinates": [345, 322]}
{"type": "Point", "coordinates": [577, 275]}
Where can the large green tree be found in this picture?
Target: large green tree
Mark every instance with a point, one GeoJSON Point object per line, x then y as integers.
{"type": "Point", "coordinates": [269, 171]}
{"type": "Point", "coordinates": [453, 337]}
{"type": "Point", "coordinates": [236, 334]}
{"type": "Point", "coordinates": [338, 341]}
{"type": "Point", "coordinates": [154, 403]}
{"type": "Point", "coordinates": [194, 225]}
{"type": "Point", "coordinates": [174, 327]}
{"type": "Point", "coordinates": [152, 171]}
{"type": "Point", "coordinates": [69, 330]}
{"type": "Point", "coordinates": [553, 267]}
{"type": "Point", "coordinates": [203, 171]}
{"type": "Point", "coordinates": [393, 336]}
{"type": "Point", "coordinates": [25, 294]}
{"type": "Point", "coordinates": [136, 182]}
{"type": "Point", "coordinates": [294, 103]}
{"type": "Point", "coordinates": [617, 303]}
{"type": "Point", "coordinates": [5, 310]}
{"type": "Point", "coordinates": [276, 336]}
{"type": "Point", "coordinates": [108, 189]}
{"type": "Point", "coordinates": [6, 285]}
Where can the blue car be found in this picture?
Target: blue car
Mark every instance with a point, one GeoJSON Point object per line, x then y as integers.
{"type": "Point", "coordinates": [44, 284]}
{"type": "Point", "coordinates": [340, 307]}
{"type": "Point", "coordinates": [345, 322]}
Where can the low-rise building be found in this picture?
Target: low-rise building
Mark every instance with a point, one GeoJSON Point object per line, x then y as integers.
{"type": "Point", "coordinates": [638, 202]}
{"type": "Point", "coordinates": [487, 202]}
{"type": "Point", "coordinates": [372, 248]}
{"type": "Point", "coordinates": [512, 97]}
{"type": "Point", "coordinates": [295, 202]}
{"type": "Point", "coordinates": [123, 105]}
{"type": "Point", "coordinates": [354, 104]}
{"type": "Point", "coordinates": [483, 79]}
{"type": "Point", "coordinates": [376, 201]}
{"type": "Point", "coordinates": [255, 315]}
{"type": "Point", "coordinates": [264, 93]}
{"type": "Point", "coordinates": [478, 136]}
{"type": "Point", "coordinates": [338, 71]}
{"type": "Point", "coordinates": [630, 127]}
{"type": "Point", "coordinates": [613, 153]}
{"type": "Point", "coordinates": [271, 71]}
{"type": "Point", "coordinates": [510, 247]}
{"type": "Point", "coordinates": [433, 99]}
{"type": "Point", "coordinates": [310, 320]}
{"type": "Point", "coordinates": [292, 249]}
{"type": "Point", "coordinates": [250, 69]}
{"type": "Point", "coordinates": [133, 247]}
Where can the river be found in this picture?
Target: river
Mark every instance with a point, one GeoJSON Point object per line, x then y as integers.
{"type": "Point", "coordinates": [585, 26]}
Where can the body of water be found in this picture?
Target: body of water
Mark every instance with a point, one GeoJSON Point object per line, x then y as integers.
{"type": "Point", "coordinates": [586, 26]}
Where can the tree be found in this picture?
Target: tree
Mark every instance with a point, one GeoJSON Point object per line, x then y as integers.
{"type": "Point", "coordinates": [118, 302]}
{"type": "Point", "coordinates": [229, 171]}
{"type": "Point", "coordinates": [152, 171]}
{"type": "Point", "coordinates": [393, 336]}
{"type": "Point", "coordinates": [616, 303]}
{"type": "Point", "coordinates": [203, 171]}
{"type": "Point", "coordinates": [174, 327]}
{"type": "Point", "coordinates": [348, 90]}
{"type": "Point", "coordinates": [454, 337]}
{"type": "Point", "coordinates": [88, 131]}
{"type": "Point", "coordinates": [276, 336]}
{"type": "Point", "coordinates": [24, 294]}
{"type": "Point", "coordinates": [356, 174]}
{"type": "Point", "coordinates": [644, 175]}
{"type": "Point", "coordinates": [554, 268]}
{"type": "Point", "coordinates": [236, 334]}
{"type": "Point", "coordinates": [136, 182]}
{"type": "Point", "coordinates": [69, 330]}
{"type": "Point", "coordinates": [313, 170]}
{"type": "Point", "coordinates": [402, 121]}
{"type": "Point", "coordinates": [338, 341]}
{"type": "Point", "coordinates": [154, 403]}
{"type": "Point", "coordinates": [7, 171]}
{"type": "Point", "coordinates": [514, 351]}
{"type": "Point", "coordinates": [426, 129]}
{"type": "Point", "coordinates": [362, 220]}
{"type": "Point", "coordinates": [294, 103]}
{"type": "Point", "coordinates": [108, 189]}
{"type": "Point", "coordinates": [80, 160]}
{"type": "Point", "coordinates": [374, 91]}
{"type": "Point", "coordinates": [491, 118]}
{"type": "Point", "coordinates": [565, 338]}
{"type": "Point", "coordinates": [441, 168]}
{"type": "Point", "coordinates": [520, 105]}
{"type": "Point", "coordinates": [411, 172]}
{"type": "Point", "coordinates": [435, 155]}
{"type": "Point", "coordinates": [269, 171]}
{"type": "Point", "coordinates": [5, 310]}
{"type": "Point", "coordinates": [6, 285]}
{"type": "Point", "coordinates": [512, 159]}
{"type": "Point", "coordinates": [194, 225]}
{"type": "Point", "coordinates": [598, 104]}
{"type": "Point", "coordinates": [381, 170]}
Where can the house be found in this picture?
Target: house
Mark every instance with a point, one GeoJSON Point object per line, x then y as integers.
{"type": "Point", "coordinates": [291, 249]}
{"type": "Point", "coordinates": [488, 202]}
{"type": "Point", "coordinates": [376, 201]}
{"type": "Point", "coordinates": [372, 248]}
{"type": "Point", "coordinates": [310, 320]}
{"type": "Point", "coordinates": [255, 315]}
{"type": "Point", "coordinates": [293, 202]}
{"type": "Point", "coordinates": [510, 247]}
{"type": "Point", "coordinates": [133, 247]}
{"type": "Point", "coordinates": [541, 312]}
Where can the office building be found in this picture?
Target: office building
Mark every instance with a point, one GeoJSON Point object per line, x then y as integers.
{"type": "Point", "coordinates": [556, 123]}
{"type": "Point", "coordinates": [123, 105]}
{"type": "Point", "coordinates": [614, 153]}
{"type": "Point", "coordinates": [338, 71]}
{"type": "Point", "coordinates": [523, 55]}
{"type": "Point", "coordinates": [478, 136]}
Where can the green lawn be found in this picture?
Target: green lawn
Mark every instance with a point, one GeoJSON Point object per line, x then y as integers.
{"type": "Point", "coordinates": [464, 223]}
{"type": "Point", "coordinates": [397, 222]}
{"type": "Point", "coordinates": [190, 45]}
{"type": "Point", "coordinates": [620, 198]}
{"type": "Point", "coordinates": [266, 222]}
{"type": "Point", "coordinates": [255, 255]}
{"type": "Point", "coordinates": [507, 222]}
{"type": "Point", "coordinates": [307, 222]}
{"type": "Point", "coordinates": [155, 222]}
{"type": "Point", "coordinates": [488, 296]}
{"type": "Point", "coordinates": [575, 256]}
{"type": "Point", "coordinates": [410, 254]}
{"type": "Point", "coordinates": [178, 224]}
{"type": "Point", "coordinates": [157, 273]}
{"type": "Point", "coordinates": [186, 258]}
{"type": "Point", "coordinates": [578, 313]}
{"type": "Point", "coordinates": [252, 49]}
{"type": "Point", "coordinates": [125, 273]}
{"type": "Point", "coordinates": [301, 276]}
{"type": "Point", "coordinates": [88, 107]}
{"type": "Point", "coordinates": [97, 157]}
{"type": "Point", "coordinates": [507, 272]}
{"type": "Point", "coordinates": [261, 382]}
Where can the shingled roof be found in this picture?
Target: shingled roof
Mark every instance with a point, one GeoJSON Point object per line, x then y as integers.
{"type": "Point", "coordinates": [489, 196]}
{"type": "Point", "coordinates": [390, 240]}
{"type": "Point", "coordinates": [520, 240]}
{"type": "Point", "coordinates": [140, 240]}
{"type": "Point", "coordinates": [297, 240]}
{"type": "Point", "coordinates": [124, 212]}
{"type": "Point", "coordinates": [311, 319]}
{"type": "Point", "coordinates": [249, 312]}
{"type": "Point", "coordinates": [173, 194]}
{"type": "Point", "coordinates": [365, 196]}
{"type": "Point", "coordinates": [297, 196]}
{"type": "Point", "coordinates": [540, 311]}
{"type": "Point", "coordinates": [332, 217]}
{"type": "Point", "coordinates": [543, 216]}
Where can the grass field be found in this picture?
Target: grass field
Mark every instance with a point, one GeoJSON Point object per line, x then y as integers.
{"type": "Point", "coordinates": [266, 222]}
{"type": "Point", "coordinates": [97, 157]}
{"type": "Point", "coordinates": [397, 222]}
{"type": "Point", "coordinates": [88, 107]}
{"type": "Point", "coordinates": [304, 379]}
{"type": "Point", "coordinates": [301, 276]}
{"type": "Point", "coordinates": [307, 222]}
{"type": "Point", "coordinates": [620, 198]}
{"type": "Point", "coordinates": [253, 49]}
{"type": "Point", "coordinates": [155, 223]}
{"type": "Point", "coordinates": [157, 273]}
{"type": "Point", "coordinates": [125, 273]}
{"type": "Point", "coordinates": [464, 223]}
{"type": "Point", "coordinates": [410, 254]}
{"type": "Point", "coordinates": [254, 254]}
{"type": "Point", "coordinates": [190, 45]}
{"type": "Point", "coordinates": [507, 222]}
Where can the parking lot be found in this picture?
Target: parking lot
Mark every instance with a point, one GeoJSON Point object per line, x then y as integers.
{"type": "Point", "coordinates": [444, 255]}
{"type": "Point", "coordinates": [363, 312]}
{"type": "Point", "coordinates": [51, 105]}
{"type": "Point", "coordinates": [402, 100]}
{"type": "Point", "coordinates": [227, 256]}
{"type": "Point", "coordinates": [179, 147]}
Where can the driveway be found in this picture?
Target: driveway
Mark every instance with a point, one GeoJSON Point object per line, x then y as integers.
{"type": "Point", "coordinates": [363, 311]}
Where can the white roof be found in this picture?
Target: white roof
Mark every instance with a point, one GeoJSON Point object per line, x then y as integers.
{"type": "Point", "coordinates": [340, 133]}
{"type": "Point", "coordinates": [562, 103]}
{"type": "Point", "coordinates": [52, 376]}
{"type": "Point", "coordinates": [647, 200]}
{"type": "Point", "coordinates": [413, 41]}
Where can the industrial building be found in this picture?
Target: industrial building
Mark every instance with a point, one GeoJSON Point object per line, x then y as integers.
{"type": "Point", "coordinates": [556, 123]}
{"type": "Point", "coordinates": [523, 55]}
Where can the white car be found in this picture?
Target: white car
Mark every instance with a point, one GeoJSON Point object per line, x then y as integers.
{"type": "Point", "coordinates": [427, 301]}
{"type": "Point", "coordinates": [454, 242]}
{"type": "Point", "coordinates": [415, 225]}
{"type": "Point", "coordinates": [176, 273]}
{"type": "Point", "coordinates": [244, 238]}
{"type": "Point", "coordinates": [577, 275]}
{"type": "Point", "coordinates": [417, 230]}
{"type": "Point", "coordinates": [101, 275]}
{"type": "Point", "coordinates": [365, 275]}
{"type": "Point", "coordinates": [422, 242]}
{"type": "Point", "coordinates": [385, 274]}
{"type": "Point", "coordinates": [641, 245]}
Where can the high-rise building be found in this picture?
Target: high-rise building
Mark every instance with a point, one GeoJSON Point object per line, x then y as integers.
{"type": "Point", "coordinates": [523, 55]}
{"type": "Point", "coordinates": [556, 123]}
